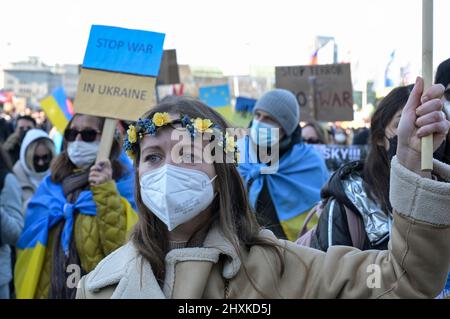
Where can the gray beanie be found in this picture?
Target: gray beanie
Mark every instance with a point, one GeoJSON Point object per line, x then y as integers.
{"type": "Point", "coordinates": [282, 106]}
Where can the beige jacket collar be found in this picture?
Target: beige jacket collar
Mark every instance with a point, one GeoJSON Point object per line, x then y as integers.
{"type": "Point", "coordinates": [134, 279]}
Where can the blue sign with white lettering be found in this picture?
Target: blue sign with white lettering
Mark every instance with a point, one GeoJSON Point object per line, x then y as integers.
{"type": "Point", "coordinates": [244, 104]}
{"type": "Point", "coordinates": [124, 50]}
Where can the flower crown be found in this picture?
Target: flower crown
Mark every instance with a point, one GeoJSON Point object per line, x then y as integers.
{"type": "Point", "coordinates": [198, 125]}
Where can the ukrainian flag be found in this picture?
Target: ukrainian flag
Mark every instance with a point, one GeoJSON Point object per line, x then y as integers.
{"type": "Point", "coordinates": [58, 109]}
{"type": "Point", "coordinates": [47, 208]}
{"type": "Point", "coordinates": [219, 98]}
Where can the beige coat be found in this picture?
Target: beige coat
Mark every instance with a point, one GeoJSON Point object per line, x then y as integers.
{"type": "Point", "coordinates": [415, 266]}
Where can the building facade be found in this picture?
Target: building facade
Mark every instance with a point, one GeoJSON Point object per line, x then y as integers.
{"type": "Point", "coordinates": [35, 80]}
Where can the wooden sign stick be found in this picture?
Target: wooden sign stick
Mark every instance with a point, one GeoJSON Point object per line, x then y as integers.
{"type": "Point", "coordinates": [427, 74]}
{"type": "Point", "coordinates": [106, 139]}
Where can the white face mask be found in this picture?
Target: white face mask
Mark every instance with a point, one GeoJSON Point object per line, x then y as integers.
{"type": "Point", "coordinates": [264, 134]}
{"type": "Point", "coordinates": [83, 154]}
{"type": "Point", "coordinates": [340, 138]}
{"type": "Point", "coordinates": [175, 194]}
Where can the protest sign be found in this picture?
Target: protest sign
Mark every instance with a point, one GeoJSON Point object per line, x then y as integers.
{"type": "Point", "coordinates": [124, 50]}
{"type": "Point", "coordinates": [324, 92]}
{"type": "Point", "coordinates": [114, 95]}
{"type": "Point", "coordinates": [168, 72]}
{"type": "Point", "coordinates": [337, 155]}
{"type": "Point", "coordinates": [117, 78]}
{"type": "Point", "coordinates": [244, 104]}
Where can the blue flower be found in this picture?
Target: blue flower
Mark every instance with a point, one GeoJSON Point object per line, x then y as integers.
{"type": "Point", "coordinates": [185, 121]}
{"type": "Point", "coordinates": [140, 123]}
{"type": "Point", "coordinates": [151, 129]}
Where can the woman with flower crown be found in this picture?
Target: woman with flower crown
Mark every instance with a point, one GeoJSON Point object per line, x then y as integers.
{"type": "Point", "coordinates": [198, 238]}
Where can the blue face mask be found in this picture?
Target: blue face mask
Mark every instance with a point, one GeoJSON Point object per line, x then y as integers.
{"type": "Point", "coordinates": [263, 134]}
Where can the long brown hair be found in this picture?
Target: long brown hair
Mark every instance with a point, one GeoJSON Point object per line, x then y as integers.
{"type": "Point", "coordinates": [234, 215]}
{"type": "Point", "coordinates": [61, 166]}
{"type": "Point", "coordinates": [322, 135]}
{"type": "Point", "coordinates": [5, 160]}
{"type": "Point", "coordinates": [377, 165]}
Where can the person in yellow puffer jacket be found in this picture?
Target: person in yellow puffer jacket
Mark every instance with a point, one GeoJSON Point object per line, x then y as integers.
{"type": "Point", "coordinates": [79, 214]}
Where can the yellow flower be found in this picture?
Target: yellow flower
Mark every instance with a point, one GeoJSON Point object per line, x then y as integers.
{"type": "Point", "coordinates": [130, 154]}
{"type": "Point", "coordinates": [160, 119]}
{"type": "Point", "coordinates": [203, 126]}
{"type": "Point", "coordinates": [230, 143]}
{"type": "Point", "coordinates": [132, 138]}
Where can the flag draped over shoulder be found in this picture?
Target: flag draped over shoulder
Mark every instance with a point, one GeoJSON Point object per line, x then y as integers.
{"type": "Point", "coordinates": [294, 187]}
{"type": "Point", "coordinates": [47, 208]}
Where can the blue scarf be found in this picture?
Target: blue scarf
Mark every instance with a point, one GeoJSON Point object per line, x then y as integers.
{"type": "Point", "coordinates": [49, 206]}
{"type": "Point", "coordinates": [295, 187]}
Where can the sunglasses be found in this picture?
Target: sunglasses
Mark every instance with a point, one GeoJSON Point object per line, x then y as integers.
{"type": "Point", "coordinates": [88, 135]}
{"type": "Point", "coordinates": [45, 158]}
{"type": "Point", "coordinates": [312, 141]}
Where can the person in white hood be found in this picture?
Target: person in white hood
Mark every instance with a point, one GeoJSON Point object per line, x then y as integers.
{"type": "Point", "coordinates": [36, 153]}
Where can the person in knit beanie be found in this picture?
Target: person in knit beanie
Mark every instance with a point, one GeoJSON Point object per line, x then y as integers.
{"type": "Point", "coordinates": [281, 198]}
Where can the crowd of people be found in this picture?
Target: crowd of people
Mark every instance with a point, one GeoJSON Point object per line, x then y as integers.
{"type": "Point", "coordinates": [269, 221]}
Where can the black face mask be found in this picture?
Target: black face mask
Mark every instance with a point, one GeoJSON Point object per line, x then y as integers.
{"type": "Point", "coordinates": [41, 168]}
{"type": "Point", "coordinates": [45, 160]}
{"type": "Point", "coordinates": [392, 147]}
{"type": "Point", "coordinates": [439, 154]}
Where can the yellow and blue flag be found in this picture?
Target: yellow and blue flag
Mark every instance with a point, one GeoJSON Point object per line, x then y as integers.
{"type": "Point", "coordinates": [47, 208]}
{"type": "Point", "coordinates": [219, 98]}
{"type": "Point", "coordinates": [58, 108]}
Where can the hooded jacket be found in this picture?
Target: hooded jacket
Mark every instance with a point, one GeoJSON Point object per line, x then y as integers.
{"type": "Point", "coordinates": [346, 188]}
{"type": "Point", "coordinates": [11, 223]}
{"type": "Point", "coordinates": [414, 266]}
{"type": "Point", "coordinates": [28, 178]}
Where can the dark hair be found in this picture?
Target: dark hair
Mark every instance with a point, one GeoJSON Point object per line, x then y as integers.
{"type": "Point", "coordinates": [61, 166]}
{"type": "Point", "coordinates": [27, 118]}
{"type": "Point", "coordinates": [321, 134]}
{"type": "Point", "coordinates": [443, 73]}
{"type": "Point", "coordinates": [377, 165]}
{"type": "Point", "coordinates": [5, 161]}
{"type": "Point", "coordinates": [234, 215]}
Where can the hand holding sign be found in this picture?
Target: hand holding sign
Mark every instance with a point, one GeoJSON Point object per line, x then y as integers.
{"type": "Point", "coordinates": [421, 116]}
{"type": "Point", "coordinates": [117, 80]}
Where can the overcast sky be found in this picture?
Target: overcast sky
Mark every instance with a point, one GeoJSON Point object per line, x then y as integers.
{"type": "Point", "coordinates": [229, 34]}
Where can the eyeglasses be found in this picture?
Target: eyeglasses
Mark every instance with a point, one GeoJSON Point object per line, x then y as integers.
{"type": "Point", "coordinates": [24, 128]}
{"type": "Point", "coordinates": [311, 141]}
{"type": "Point", "coordinates": [88, 135]}
{"type": "Point", "coordinates": [45, 158]}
